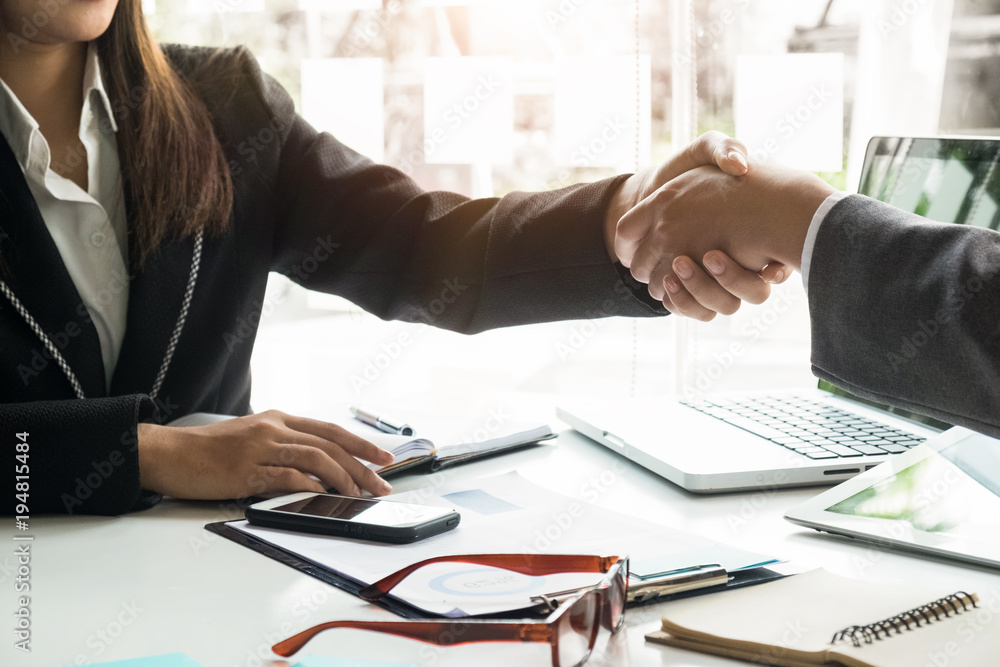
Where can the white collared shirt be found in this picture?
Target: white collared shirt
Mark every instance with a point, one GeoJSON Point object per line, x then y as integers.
{"type": "Point", "coordinates": [88, 227]}
{"type": "Point", "coordinates": [817, 220]}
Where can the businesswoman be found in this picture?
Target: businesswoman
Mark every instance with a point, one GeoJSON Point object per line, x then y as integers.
{"type": "Point", "coordinates": [145, 194]}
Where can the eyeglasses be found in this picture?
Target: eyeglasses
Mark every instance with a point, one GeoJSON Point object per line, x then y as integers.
{"type": "Point", "coordinates": [579, 624]}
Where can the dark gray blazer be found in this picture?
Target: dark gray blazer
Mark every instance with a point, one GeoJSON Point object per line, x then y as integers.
{"type": "Point", "coordinates": [907, 312]}
{"type": "Point", "coordinates": [305, 206]}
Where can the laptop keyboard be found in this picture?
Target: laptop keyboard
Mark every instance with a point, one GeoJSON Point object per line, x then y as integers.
{"type": "Point", "coordinates": [812, 428]}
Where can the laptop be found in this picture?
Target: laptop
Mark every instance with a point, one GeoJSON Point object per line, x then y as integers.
{"type": "Point", "coordinates": [941, 499]}
{"type": "Point", "coordinates": [739, 442]}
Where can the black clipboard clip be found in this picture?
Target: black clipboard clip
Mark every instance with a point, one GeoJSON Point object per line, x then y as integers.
{"type": "Point", "coordinates": [663, 585]}
{"type": "Point", "coordinates": [677, 581]}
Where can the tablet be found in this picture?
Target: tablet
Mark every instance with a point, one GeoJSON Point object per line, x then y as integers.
{"type": "Point", "coordinates": [941, 498]}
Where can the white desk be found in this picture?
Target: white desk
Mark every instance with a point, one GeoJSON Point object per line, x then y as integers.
{"type": "Point", "coordinates": [156, 582]}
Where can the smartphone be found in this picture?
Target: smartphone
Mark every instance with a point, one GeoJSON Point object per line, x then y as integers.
{"type": "Point", "coordinates": [356, 518]}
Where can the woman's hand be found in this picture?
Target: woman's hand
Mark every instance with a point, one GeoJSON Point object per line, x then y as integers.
{"type": "Point", "coordinates": [759, 220]}
{"type": "Point", "coordinates": [712, 149]}
{"type": "Point", "coordinates": [267, 454]}
{"type": "Point", "coordinates": [695, 292]}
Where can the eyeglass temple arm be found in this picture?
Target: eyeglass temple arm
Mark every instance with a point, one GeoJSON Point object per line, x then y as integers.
{"type": "Point", "coordinates": [531, 564]}
{"type": "Point", "coordinates": [442, 633]}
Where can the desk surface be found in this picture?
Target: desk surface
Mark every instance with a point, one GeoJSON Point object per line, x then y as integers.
{"type": "Point", "coordinates": [156, 582]}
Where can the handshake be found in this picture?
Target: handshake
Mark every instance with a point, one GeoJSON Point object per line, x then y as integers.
{"type": "Point", "coordinates": [706, 230]}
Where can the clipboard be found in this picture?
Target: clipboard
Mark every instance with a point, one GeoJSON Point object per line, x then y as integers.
{"type": "Point", "coordinates": [653, 591]}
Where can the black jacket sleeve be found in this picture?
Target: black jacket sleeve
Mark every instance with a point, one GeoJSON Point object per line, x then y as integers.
{"type": "Point", "coordinates": [906, 312]}
{"type": "Point", "coordinates": [369, 233]}
{"type": "Point", "coordinates": [78, 457]}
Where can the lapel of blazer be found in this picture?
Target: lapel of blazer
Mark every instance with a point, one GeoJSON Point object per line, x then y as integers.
{"type": "Point", "coordinates": [34, 270]}
{"type": "Point", "coordinates": [156, 293]}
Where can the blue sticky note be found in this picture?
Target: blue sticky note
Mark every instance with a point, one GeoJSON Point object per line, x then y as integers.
{"type": "Point", "coordinates": [165, 660]}
{"type": "Point", "coordinates": [480, 501]}
{"type": "Point", "coordinates": [728, 557]}
{"type": "Point", "coordinates": [326, 661]}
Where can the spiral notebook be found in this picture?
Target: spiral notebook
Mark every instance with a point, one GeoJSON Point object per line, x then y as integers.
{"type": "Point", "coordinates": [820, 618]}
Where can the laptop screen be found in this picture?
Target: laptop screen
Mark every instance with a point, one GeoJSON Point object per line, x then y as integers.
{"type": "Point", "coordinates": [945, 179]}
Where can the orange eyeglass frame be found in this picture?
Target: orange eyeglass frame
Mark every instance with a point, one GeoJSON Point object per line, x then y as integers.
{"type": "Point", "coordinates": [450, 633]}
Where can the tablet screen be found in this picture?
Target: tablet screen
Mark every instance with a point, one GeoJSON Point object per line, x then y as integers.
{"type": "Point", "coordinates": [953, 493]}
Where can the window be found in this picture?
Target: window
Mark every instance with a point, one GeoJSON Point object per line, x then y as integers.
{"type": "Point", "coordinates": [485, 97]}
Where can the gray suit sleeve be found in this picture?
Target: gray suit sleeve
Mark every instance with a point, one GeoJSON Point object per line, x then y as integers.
{"type": "Point", "coordinates": [907, 312]}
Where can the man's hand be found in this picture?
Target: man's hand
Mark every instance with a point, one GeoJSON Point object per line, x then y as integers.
{"type": "Point", "coordinates": [261, 455]}
{"type": "Point", "coordinates": [759, 220]}
{"type": "Point", "coordinates": [711, 148]}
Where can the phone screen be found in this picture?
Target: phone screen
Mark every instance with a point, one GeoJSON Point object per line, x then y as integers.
{"type": "Point", "coordinates": [362, 510]}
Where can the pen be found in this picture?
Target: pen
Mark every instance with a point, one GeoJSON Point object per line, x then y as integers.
{"type": "Point", "coordinates": [382, 423]}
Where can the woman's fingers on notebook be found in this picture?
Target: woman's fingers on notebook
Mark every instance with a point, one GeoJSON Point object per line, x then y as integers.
{"type": "Point", "coordinates": [353, 444]}
{"type": "Point", "coordinates": [332, 465]}
{"type": "Point", "coordinates": [311, 458]}
{"type": "Point", "coordinates": [330, 453]}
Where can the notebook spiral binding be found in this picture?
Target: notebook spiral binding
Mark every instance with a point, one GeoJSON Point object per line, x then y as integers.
{"type": "Point", "coordinates": [914, 618]}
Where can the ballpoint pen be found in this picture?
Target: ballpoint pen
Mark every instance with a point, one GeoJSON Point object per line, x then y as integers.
{"type": "Point", "coordinates": [381, 422]}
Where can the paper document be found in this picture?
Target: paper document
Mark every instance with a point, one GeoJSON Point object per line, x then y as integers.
{"type": "Point", "coordinates": [502, 514]}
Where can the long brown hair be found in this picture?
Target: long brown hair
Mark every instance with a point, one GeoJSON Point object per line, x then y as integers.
{"type": "Point", "coordinates": [175, 174]}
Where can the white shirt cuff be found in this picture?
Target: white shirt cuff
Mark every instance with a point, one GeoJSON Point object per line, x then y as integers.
{"type": "Point", "coordinates": [818, 217]}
